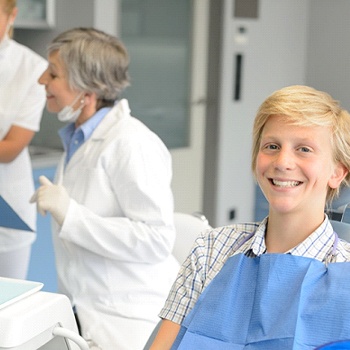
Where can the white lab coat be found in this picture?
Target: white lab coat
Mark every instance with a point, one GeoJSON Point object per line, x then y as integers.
{"type": "Point", "coordinates": [22, 101]}
{"type": "Point", "coordinates": [113, 251]}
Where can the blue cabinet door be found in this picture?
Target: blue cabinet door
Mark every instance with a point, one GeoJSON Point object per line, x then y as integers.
{"type": "Point", "coordinates": [42, 263]}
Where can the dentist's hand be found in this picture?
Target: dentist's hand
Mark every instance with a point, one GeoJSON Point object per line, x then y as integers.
{"type": "Point", "coordinates": [51, 198]}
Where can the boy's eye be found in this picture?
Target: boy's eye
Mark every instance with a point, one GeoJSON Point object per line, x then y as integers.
{"type": "Point", "coordinates": [272, 146]}
{"type": "Point", "coordinates": [305, 149]}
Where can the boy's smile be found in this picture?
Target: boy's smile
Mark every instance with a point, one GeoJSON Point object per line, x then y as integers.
{"type": "Point", "coordinates": [285, 183]}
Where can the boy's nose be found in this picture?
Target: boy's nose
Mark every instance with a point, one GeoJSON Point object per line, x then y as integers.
{"type": "Point", "coordinates": [284, 160]}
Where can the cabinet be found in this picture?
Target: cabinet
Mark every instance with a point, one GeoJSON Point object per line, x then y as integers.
{"type": "Point", "coordinates": [35, 14]}
{"type": "Point", "coordinates": [42, 266]}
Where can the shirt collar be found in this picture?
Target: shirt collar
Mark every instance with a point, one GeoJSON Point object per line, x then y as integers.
{"type": "Point", "coordinates": [91, 124]}
{"type": "Point", "coordinates": [254, 243]}
{"type": "Point", "coordinates": [258, 243]}
{"type": "Point", "coordinates": [66, 133]}
{"type": "Point", "coordinates": [317, 245]}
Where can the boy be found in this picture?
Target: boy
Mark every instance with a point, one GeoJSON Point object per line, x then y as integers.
{"type": "Point", "coordinates": [270, 285]}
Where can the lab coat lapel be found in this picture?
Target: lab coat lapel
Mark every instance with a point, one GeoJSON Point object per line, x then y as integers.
{"type": "Point", "coordinates": [120, 111]}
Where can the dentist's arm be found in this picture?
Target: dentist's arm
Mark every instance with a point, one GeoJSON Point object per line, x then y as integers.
{"type": "Point", "coordinates": [166, 335]}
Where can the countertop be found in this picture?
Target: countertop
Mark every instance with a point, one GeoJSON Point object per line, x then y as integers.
{"type": "Point", "coordinates": [44, 157]}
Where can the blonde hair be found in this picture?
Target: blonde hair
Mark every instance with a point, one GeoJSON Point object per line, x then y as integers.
{"type": "Point", "coordinates": [8, 7]}
{"type": "Point", "coordinates": [306, 106]}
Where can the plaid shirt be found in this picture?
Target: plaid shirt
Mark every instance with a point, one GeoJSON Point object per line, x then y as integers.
{"type": "Point", "coordinates": [213, 247]}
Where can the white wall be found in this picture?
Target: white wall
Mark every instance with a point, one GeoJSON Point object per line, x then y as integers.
{"type": "Point", "coordinates": [108, 21]}
{"type": "Point", "coordinates": [274, 56]}
{"type": "Point", "coordinates": [328, 65]}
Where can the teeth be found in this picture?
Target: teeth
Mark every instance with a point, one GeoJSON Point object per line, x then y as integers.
{"type": "Point", "coordinates": [285, 183]}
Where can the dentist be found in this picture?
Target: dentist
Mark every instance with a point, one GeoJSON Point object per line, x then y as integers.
{"type": "Point", "coordinates": [111, 204]}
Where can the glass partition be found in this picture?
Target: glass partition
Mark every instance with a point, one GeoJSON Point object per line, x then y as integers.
{"type": "Point", "coordinates": [157, 34]}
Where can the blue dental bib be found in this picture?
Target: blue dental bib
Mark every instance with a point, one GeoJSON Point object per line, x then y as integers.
{"type": "Point", "coordinates": [271, 302]}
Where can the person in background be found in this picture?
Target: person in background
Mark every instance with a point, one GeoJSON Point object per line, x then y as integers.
{"type": "Point", "coordinates": [111, 203]}
{"type": "Point", "coordinates": [281, 283]}
{"type": "Point", "coordinates": [22, 101]}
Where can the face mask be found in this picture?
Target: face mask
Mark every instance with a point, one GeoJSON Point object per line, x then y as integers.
{"type": "Point", "coordinates": [68, 114]}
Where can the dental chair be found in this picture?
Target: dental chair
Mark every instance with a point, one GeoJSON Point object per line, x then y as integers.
{"type": "Point", "coordinates": [188, 227]}
{"type": "Point", "coordinates": [339, 214]}
{"type": "Point", "coordinates": [340, 220]}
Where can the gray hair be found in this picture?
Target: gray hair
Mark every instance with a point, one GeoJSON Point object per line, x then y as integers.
{"type": "Point", "coordinates": [94, 61]}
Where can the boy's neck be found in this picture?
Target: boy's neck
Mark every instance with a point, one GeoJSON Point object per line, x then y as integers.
{"type": "Point", "coordinates": [284, 232]}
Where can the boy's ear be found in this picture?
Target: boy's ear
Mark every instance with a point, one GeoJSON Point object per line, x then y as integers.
{"type": "Point", "coordinates": [340, 171]}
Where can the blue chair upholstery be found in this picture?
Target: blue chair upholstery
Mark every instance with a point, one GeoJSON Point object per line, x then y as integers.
{"type": "Point", "coordinates": [342, 229]}
{"type": "Point", "coordinates": [342, 199]}
{"type": "Point", "coordinates": [340, 220]}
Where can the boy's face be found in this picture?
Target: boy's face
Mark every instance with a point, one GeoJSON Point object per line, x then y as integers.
{"type": "Point", "coordinates": [295, 166]}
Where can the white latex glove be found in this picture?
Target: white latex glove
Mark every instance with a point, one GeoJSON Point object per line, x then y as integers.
{"type": "Point", "coordinates": [51, 198]}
